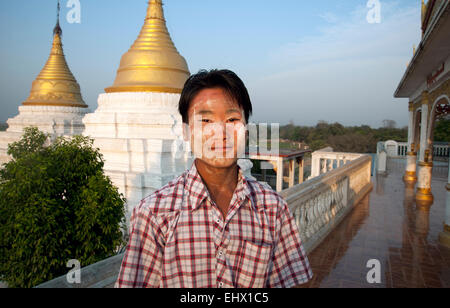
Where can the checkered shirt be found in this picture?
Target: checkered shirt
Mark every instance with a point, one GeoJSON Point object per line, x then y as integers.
{"type": "Point", "coordinates": [179, 239]}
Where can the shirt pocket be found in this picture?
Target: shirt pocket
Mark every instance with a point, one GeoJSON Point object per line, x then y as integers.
{"type": "Point", "coordinates": [253, 265]}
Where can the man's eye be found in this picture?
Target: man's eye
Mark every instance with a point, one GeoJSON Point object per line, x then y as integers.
{"type": "Point", "coordinates": [234, 120]}
{"type": "Point", "coordinates": [206, 121]}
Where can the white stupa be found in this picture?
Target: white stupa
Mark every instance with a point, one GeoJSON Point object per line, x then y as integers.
{"type": "Point", "coordinates": [137, 126]}
{"type": "Point", "coordinates": [55, 104]}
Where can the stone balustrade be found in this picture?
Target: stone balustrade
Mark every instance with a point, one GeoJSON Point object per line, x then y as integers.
{"type": "Point", "coordinates": [319, 204]}
{"type": "Point", "coordinates": [326, 160]}
{"type": "Point", "coordinates": [441, 150]}
{"type": "Point", "coordinates": [400, 149]}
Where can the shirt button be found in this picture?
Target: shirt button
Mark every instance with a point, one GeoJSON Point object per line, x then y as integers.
{"type": "Point", "coordinates": [218, 221]}
{"type": "Point", "coordinates": [220, 253]}
{"type": "Point", "coordinates": [220, 284]}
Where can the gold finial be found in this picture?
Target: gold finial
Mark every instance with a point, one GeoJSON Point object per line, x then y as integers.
{"type": "Point", "coordinates": [152, 64]}
{"type": "Point", "coordinates": [55, 85]}
{"type": "Point", "coordinates": [57, 29]}
{"type": "Point", "coordinates": [414, 50]}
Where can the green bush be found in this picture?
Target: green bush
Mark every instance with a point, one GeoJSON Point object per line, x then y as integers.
{"type": "Point", "coordinates": [55, 205]}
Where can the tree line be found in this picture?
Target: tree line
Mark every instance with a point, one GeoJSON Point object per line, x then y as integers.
{"type": "Point", "coordinates": [355, 139]}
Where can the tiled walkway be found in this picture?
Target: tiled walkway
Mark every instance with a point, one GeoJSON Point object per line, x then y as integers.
{"type": "Point", "coordinates": [388, 226]}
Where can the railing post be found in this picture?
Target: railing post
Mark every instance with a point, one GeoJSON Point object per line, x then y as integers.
{"type": "Point", "coordinates": [324, 165]}
{"type": "Point", "coordinates": [280, 176]}
{"type": "Point", "coordinates": [291, 172]}
{"type": "Point", "coordinates": [301, 170]}
{"type": "Point", "coordinates": [315, 165]}
{"type": "Point", "coordinates": [330, 165]}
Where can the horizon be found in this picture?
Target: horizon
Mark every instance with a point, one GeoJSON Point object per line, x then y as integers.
{"type": "Point", "coordinates": [319, 61]}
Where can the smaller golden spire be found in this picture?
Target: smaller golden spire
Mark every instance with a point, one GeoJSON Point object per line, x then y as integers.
{"type": "Point", "coordinates": [414, 50]}
{"type": "Point", "coordinates": [55, 85]}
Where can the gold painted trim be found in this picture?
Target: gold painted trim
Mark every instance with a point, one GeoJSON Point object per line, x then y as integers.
{"type": "Point", "coordinates": [425, 98]}
{"type": "Point", "coordinates": [56, 105]}
{"type": "Point", "coordinates": [152, 67]}
{"type": "Point", "coordinates": [411, 153]}
{"type": "Point", "coordinates": [410, 176]}
{"type": "Point", "coordinates": [424, 164]}
{"type": "Point", "coordinates": [424, 195]}
{"type": "Point", "coordinates": [143, 89]}
{"type": "Point", "coordinates": [448, 186]}
{"type": "Point", "coordinates": [446, 228]}
{"type": "Point", "coordinates": [424, 191]}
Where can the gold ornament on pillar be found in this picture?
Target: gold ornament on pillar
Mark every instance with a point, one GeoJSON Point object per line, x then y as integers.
{"type": "Point", "coordinates": [55, 85]}
{"type": "Point", "coordinates": [425, 98]}
{"type": "Point", "coordinates": [424, 10]}
{"type": "Point", "coordinates": [428, 156]}
{"type": "Point", "coordinates": [152, 64]}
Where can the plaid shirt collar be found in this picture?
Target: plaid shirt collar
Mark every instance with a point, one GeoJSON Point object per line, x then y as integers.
{"type": "Point", "coordinates": [198, 191]}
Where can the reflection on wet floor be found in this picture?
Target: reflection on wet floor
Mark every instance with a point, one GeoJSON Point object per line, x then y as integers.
{"type": "Point", "coordinates": [387, 225]}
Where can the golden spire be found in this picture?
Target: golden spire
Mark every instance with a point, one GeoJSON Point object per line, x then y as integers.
{"type": "Point", "coordinates": [55, 84]}
{"type": "Point", "coordinates": [152, 64]}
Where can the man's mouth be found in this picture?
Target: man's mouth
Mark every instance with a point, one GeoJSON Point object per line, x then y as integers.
{"type": "Point", "coordinates": [221, 148]}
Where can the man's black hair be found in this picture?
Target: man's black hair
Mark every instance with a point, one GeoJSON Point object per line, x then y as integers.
{"type": "Point", "coordinates": [224, 79]}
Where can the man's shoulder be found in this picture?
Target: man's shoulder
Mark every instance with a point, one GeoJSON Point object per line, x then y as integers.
{"type": "Point", "coordinates": [165, 200]}
{"type": "Point", "coordinates": [264, 195]}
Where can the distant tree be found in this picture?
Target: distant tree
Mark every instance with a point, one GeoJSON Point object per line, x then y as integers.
{"type": "Point", "coordinates": [359, 139]}
{"type": "Point", "coordinates": [442, 131]}
{"type": "Point", "coordinates": [55, 205]}
{"type": "Point", "coordinates": [389, 124]}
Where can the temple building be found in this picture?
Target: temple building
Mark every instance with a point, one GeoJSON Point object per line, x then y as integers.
{"type": "Point", "coordinates": [55, 104]}
{"type": "Point", "coordinates": [426, 84]}
{"type": "Point", "coordinates": [137, 126]}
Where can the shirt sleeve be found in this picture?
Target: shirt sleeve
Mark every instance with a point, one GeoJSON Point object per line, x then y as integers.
{"type": "Point", "coordinates": [290, 265]}
{"type": "Point", "coordinates": [141, 265]}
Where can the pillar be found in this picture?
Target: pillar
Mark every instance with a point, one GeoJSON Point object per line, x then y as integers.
{"type": "Point", "coordinates": [324, 164]}
{"type": "Point", "coordinates": [411, 155]}
{"type": "Point", "coordinates": [291, 173]}
{"type": "Point", "coordinates": [315, 165]}
{"type": "Point", "coordinates": [280, 175]}
{"type": "Point", "coordinates": [301, 171]}
{"type": "Point", "coordinates": [444, 237]}
{"type": "Point", "coordinates": [426, 161]}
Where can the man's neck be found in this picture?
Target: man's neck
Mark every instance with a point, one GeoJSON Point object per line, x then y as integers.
{"type": "Point", "coordinates": [221, 183]}
{"type": "Point", "coordinates": [218, 178]}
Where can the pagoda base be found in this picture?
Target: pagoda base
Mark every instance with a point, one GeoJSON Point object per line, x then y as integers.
{"type": "Point", "coordinates": [141, 138]}
{"type": "Point", "coordinates": [53, 120]}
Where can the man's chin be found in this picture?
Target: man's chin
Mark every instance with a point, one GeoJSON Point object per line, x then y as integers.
{"type": "Point", "coordinates": [219, 162]}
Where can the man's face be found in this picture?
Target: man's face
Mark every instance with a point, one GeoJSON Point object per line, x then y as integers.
{"type": "Point", "coordinates": [216, 128]}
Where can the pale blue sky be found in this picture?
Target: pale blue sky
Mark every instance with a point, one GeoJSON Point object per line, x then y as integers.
{"type": "Point", "coordinates": [301, 60]}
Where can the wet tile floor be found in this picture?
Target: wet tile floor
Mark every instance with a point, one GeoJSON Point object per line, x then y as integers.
{"type": "Point", "coordinates": [389, 226]}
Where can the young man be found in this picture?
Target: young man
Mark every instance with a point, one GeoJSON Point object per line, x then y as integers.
{"type": "Point", "coordinates": [212, 227]}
